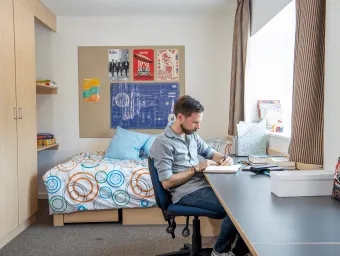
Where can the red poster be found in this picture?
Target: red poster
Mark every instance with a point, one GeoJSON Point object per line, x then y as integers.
{"type": "Point", "coordinates": [143, 64]}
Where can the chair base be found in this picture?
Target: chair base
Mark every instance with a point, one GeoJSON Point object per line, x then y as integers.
{"type": "Point", "coordinates": [187, 251]}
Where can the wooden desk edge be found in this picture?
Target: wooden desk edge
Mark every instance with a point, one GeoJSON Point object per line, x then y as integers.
{"type": "Point", "coordinates": [238, 227]}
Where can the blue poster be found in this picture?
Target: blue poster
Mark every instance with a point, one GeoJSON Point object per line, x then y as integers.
{"type": "Point", "coordinates": [143, 105]}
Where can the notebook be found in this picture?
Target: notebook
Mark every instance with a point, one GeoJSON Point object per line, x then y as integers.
{"type": "Point", "coordinates": [223, 169]}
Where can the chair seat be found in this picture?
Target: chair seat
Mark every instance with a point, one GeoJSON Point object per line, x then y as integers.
{"type": "Point", "coordinates": [181, 210]}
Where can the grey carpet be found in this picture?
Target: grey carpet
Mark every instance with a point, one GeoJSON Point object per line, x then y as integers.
{"type": "Point", "coordinates": [93, 239]}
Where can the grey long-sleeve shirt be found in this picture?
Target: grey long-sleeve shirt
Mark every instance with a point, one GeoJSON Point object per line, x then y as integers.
{"type": "Point", "coordinates": [172, 154]}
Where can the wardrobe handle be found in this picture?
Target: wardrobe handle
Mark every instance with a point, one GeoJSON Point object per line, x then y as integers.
{"type": "Point", "coordinates": [20, 113]}
{"type": "Point", "coordinates": [15, 113]}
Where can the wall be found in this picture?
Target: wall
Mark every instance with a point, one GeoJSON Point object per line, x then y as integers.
{"type": "Point", "coordinates": [208, 42]}
{"type": "Point", "coordinates": [332, 88]}
{"type": "Point", "coordinates": [262, 11]}
{"type": "Point", "coordinates": [270, 65]}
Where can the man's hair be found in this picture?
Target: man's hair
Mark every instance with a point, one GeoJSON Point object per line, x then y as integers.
{"type": "Point", "coordinates": [186, 105]}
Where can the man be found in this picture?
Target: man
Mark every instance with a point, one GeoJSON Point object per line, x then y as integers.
{"type": "Point", "coordinates": [118, 67]}
{"type": "Point", "coordinates": [175, 154]}
{"type": "Point", "coordinates": [125, 66]}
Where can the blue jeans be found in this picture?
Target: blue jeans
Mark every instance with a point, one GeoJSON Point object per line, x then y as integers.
{"type": "Point", "coordinates": [205, 198]}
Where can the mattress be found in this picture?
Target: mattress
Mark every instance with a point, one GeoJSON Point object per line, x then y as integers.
{"type": "Point", "coordinates": [89, 181]}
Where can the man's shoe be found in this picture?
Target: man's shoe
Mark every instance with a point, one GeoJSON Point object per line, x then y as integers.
{"type": "Point", "coordinates": [215, 253]}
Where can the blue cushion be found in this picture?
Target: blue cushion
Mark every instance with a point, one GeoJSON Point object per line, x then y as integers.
{"type": "Point", "coordinates": [148, 144]}
{"type": "Point", "coordinates": [126, 145]}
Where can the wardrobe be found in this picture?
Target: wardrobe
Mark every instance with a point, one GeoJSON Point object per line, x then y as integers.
{"type": "Point", "coordinates": [18, 124]}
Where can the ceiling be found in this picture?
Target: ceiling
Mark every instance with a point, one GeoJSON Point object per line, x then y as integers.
{"type": "Point", "coordinates": [136, 7]}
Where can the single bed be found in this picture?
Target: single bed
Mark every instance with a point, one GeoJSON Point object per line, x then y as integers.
{"type": "Point", "coordinates": [89, 181]}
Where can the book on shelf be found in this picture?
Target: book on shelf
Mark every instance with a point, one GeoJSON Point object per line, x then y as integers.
{"type": "Point", "coordinates": [48, 83]}
{"type": "Point", "coordinates": [46, 142]}
{"type": "Point", "coordinates": [44, 136]}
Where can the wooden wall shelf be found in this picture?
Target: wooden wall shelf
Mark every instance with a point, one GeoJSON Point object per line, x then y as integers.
{"type": "Point", "coordinates": [41, 89]}
{"type": "Point", "coordinates": [48, 147]}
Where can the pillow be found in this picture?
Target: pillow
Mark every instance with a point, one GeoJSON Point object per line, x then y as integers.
{"type": "Point", "coordinates": [126, 145]}
{"type": "Point", "coordinates": [148, 144]}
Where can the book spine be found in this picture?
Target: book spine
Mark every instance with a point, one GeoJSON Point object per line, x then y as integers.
{"type": "Point", "coordinates": [45, 137]}
{"type": "Point", "coordinates": [46, 142]}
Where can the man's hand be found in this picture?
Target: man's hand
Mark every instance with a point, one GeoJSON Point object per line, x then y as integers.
{"type": "Point", "coordinates": [203, 165]}
{"type": "Point", "coordinates": [227, 161]}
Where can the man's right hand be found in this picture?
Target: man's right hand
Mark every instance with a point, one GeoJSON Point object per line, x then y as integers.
{"type": "Point", "coordinates": [203, 165]}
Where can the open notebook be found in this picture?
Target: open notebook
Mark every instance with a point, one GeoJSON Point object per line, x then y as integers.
{"type": "Point", "coordinates": [223, 169]}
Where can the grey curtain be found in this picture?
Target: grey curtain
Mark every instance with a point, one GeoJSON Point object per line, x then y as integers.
{"type": "Point", "coordinates": [306, 144]}
{"type": "Point", "coordinates": [240, 39]}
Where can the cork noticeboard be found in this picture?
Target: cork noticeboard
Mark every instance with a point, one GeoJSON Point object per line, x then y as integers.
{"type": "Point", "coordinates": [93, 63]}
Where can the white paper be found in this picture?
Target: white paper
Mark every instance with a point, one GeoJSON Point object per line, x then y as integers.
{"type": "Point", "coordinates": [223, 168]}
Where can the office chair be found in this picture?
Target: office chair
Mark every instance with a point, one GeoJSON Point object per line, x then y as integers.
{"type": "Point", "coordinates": [170, 211]}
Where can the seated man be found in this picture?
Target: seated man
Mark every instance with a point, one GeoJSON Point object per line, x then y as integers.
{"type": "Point", "coordinates": [175, 154]}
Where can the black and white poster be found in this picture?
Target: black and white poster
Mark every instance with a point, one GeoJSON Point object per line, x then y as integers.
{"type": "Point", "coordinates": [118, 65]}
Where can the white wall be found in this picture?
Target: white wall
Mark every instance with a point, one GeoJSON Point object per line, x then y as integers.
{"type": "Point", "coordinates": [207, 40]}
{"type": "Point", "coordinates": [262, 11]}
{"type": "Point", "coordinates": [270, 65]}
{"type": "Point", "coordinates": [332, 88]}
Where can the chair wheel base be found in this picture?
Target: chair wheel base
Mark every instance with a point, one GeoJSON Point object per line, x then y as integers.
{"type": "Point", "coordinates": [186, 250]}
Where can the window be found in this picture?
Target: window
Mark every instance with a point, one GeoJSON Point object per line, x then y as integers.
{"type": "Point", "coordinates": [270, 65]}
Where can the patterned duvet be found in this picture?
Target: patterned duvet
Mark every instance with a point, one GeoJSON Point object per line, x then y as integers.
{"type": "Point", "coordinates": [91, 182]}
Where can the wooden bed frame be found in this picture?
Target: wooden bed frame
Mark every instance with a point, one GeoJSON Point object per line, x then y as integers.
{"type": "Point", "coordinates": [133, 216]}
{"type": "Point", "coordinates": [86, 216]}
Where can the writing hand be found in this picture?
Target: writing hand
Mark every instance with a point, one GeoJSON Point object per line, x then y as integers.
{"type": "Point", "coordinates": [226, 160]}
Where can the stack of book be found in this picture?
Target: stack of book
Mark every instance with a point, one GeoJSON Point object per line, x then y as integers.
{"type": "Point", "coordinates": [48, 83]}
{"type": "Point", "coordinates": [45, 139]}
{"type": "Point", "coordinates": [275, 160]}
{"type": "Point", "coordinates": [282, 162]}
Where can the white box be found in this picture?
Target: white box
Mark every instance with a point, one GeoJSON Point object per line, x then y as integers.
{"type": "Point", "coordinates": [301, 183]}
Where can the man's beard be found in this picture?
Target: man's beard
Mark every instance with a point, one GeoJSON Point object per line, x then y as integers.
{"type": "Point", "coordinates": [186, 131]}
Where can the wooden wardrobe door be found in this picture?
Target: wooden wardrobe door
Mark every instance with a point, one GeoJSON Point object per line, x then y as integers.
{"type": "Point", "coordinates": [26, 103]}
{"type": "Point", "coordinates": [8, 126]}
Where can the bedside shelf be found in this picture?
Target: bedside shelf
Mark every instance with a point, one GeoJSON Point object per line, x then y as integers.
{"type": "Point", "coordinates": [44, 89]}
{"type": "Point", "coordinates": [48, 147]}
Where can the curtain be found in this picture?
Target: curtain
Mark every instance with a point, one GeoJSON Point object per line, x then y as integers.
{"type": "Point", "coordinates": [306, 144]}
{"type": "Point", "coordinates": [240, 39]}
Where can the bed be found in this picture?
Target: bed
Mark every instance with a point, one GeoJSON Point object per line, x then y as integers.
{"type": "Point", "coordinates": [89, 181]}
{"type": "Point", "coordinates": [92, 188]}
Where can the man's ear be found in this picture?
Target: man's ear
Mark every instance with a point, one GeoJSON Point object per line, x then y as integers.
{"type": "Point", "coordinates": [180, 117]}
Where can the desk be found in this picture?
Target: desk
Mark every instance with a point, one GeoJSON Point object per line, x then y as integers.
{"type": "Point", "coordinates": [278, 226]}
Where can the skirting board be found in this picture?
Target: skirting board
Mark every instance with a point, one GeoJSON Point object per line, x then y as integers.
{"type": "Point", "coordinates": [153, 216]}
{"type": "Point", "coordinates": [11, 235]}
